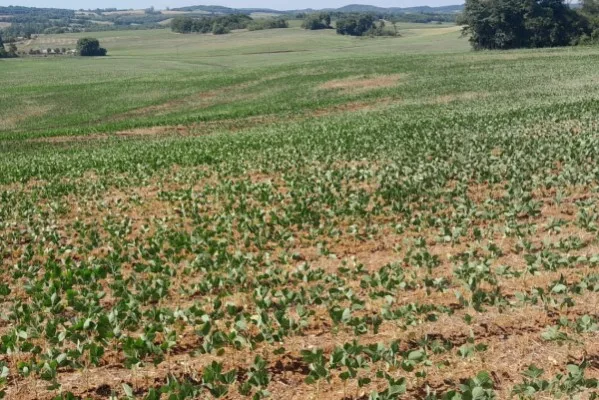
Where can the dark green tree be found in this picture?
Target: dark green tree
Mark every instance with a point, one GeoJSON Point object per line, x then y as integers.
{"type": "Point", "coordinates": [590, 7]}
{"type": "Point", "coordinates": [495, 24]}
{"type": "Point", "coordinates": [509, 24]}
{"type": "Point", "coordinates": [2, 50]}
{"type": "Point", "coordinates": [268, 23]}
{"type": "Point", "coordinates": [182, 24]}
{"type": "Point", "coordinates": [219, 29]}
{"type": "Point", "coordinates": [215, 24]}
{"type": "Point", "coordinates": [356, 24]}
{"type": "Point", "coordinates": [11, 52]}
{"type": "Point", "coordinates": [551, 23]}
{"type": "Point", "coordinates": [317, 21]}
{"type": "Point", "coordinates": [89, 47]}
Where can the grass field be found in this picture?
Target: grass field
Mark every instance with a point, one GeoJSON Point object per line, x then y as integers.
{"type": "Point", "coordinates": [299, 215]}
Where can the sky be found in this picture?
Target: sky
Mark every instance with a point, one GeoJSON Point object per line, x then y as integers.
{"type": "Point", "coordinates": [274, 4]}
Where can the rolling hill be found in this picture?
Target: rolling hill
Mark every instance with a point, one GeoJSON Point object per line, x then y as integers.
{"type": "Point", "coordinates": [347, 8]}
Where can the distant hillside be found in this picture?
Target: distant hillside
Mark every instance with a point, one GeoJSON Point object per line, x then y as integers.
{"type": "Point", "coordinates": [225, 10]}
{"type": "Point", "coordinates": [426, 9]}
{"type": "Point", "coordinates": [360, 8]}
{"type": "Point", "coordinates": [20, 11]}
{"type": "Point", "coordinates": [420, 9]}
{"type": "Point", "coordinates": [210, 9]}
{"type": "Point", "coordinates": [348, 8]}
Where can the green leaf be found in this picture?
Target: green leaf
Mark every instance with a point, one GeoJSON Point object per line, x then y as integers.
{"type": "Point", "coordinates": [128, 390]}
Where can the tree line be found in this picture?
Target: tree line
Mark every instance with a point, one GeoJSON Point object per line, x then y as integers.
{"type": "Point", "coordinates": [86, 47]}
{"type": "Point", "coordinates": [223, 24]}
{"type": "Point", "coordinates": [509, 24]}
{"type": "Point", "coordinates": [364, 25]}
{"type": "Point", "coordinates": [352, 24]}
{"type": "Point", "coordinates": [268, 23]}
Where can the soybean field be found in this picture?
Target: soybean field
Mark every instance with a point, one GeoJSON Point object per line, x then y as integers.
{"type": "Point", "coordinates": [289, 214]}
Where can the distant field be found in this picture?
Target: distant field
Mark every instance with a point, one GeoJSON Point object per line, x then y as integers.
{"type": "Point", "coordinates": [259, 15]}
{"type": "Point", "coordinates": [85, 13]}
{"type": "Point", "coordinates": [103, 22]}
{"type": "Point", "coordinates": [155, 57]}
{"type": "Point", "coordinates": [289, 214]}
{"type": "Point", "coordinates": [170, 12]}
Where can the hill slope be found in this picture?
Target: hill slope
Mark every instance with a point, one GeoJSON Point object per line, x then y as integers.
{"type": "Point", "coordinates": [347, 8]}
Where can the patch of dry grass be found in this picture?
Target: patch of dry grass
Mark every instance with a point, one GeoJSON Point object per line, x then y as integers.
{"type": "Point", "coordinates": [12, 120]}
{"type": "Point", "coordinates": [362, 84]}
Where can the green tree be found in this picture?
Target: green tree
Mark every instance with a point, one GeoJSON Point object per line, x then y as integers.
{"type": "Point", "coordinates": [182, 24]}
{"type": "Point", "coordinates": [216, 24]}
{"type": "Point", "coordinates": [356, 24]}
{"type": "Point", "coordinates": [590, 7]}
{"type": "Point", "coordinates": [317, 21]}
{"type": "Point", "coordinates": [508, 24]}
{"type": "Point", "coordinates": [88, 47]}
{"type": "Point", "coordinates": [552, 23]}
{"type": "Point", "coordinates": [2, 50]}
{"type": "Point", "coordinates": [268, 23]}
{"type": "Point", "coordinates": [11, 52]}
{"type": "Point", "coordinates": [219, 29]}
